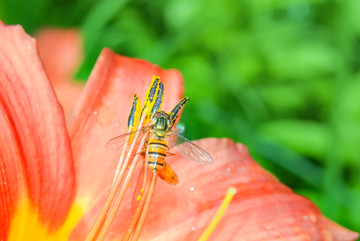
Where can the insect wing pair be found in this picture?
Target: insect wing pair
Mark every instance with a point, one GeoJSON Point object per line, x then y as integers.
{"type": "Point", "coordinates": [185, 147]}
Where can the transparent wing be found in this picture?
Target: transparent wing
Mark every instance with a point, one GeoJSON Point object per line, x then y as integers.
{"type": "Point", "coordinates": [190, 150]}
{"type": "Point", "coordinates": [118, 142]}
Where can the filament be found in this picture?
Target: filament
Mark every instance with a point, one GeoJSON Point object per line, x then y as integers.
{"type": "Point", "coordinates": [115, 185]}
{"type": "Point", "coordinates": [135, 217]}
{"type": "Point", "coordinates": [113, 210]}
{"type": "Point", "coordinates": [119, 175]}
{"type": "Point", "coordinates": [145, 210]}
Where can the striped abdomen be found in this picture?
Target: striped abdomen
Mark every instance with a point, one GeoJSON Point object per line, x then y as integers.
{"type": "Point", "coordinates": [157, 149]}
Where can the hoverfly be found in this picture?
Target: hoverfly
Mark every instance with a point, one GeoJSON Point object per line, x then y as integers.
{"type": "Point", "coordinates": [159, 133]}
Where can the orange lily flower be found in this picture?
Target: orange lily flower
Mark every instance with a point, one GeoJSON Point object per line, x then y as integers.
{"type": "Point", "coordinates": [55, 178]}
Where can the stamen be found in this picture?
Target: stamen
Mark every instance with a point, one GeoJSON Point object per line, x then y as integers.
{"type": "Point", "coordinates": [146, 175]}
{"type": "Point", "coordinates": [116, 205]}
{"type": "Point", "coordinates": [145, 210]}
{"type": "Point", "coordinates": [135, 217]}
{"type": "Point", "coordinates": [146, 186]}
{"type": "Point", "coordinates": [99, 222]}
{"type": "Point", "coordinates": [119, 175]}
{"type": "Point", "coordinates": [214, 222]}
{"type": "Point", "coordinates": [139, 117]}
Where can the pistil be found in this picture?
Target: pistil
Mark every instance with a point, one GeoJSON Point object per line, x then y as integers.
{"type": "Point", "coordinates": [215, 221]}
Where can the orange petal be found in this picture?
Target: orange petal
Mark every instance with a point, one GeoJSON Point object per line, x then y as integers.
{"type": "Point", "coordinates": [101, 114]}
{"type": "Point", "coordinates": [36, 162]}
{"type": "Point", "coordinates": [262, 209]}
{"type": "Point", "coordinates": [61, 52]}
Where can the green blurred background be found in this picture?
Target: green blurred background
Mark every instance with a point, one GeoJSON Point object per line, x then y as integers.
{"type": "Point", "coordinates": [281, 76]}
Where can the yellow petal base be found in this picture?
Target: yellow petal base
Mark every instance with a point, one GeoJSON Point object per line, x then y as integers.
{"type": "Point", "coordinates": [27, 226]}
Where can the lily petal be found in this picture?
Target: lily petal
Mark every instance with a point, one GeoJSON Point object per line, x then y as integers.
{"type": "Point", "coordinates": [36, 169]}
{"type": "Point", "coordinates": [61, 52]}
{"type": "Point", "coordinates": [36, 162]}
{"type": "Point", "coordinates": [262, 209]}
{"type": "Point", "coordinates": [101, 114]}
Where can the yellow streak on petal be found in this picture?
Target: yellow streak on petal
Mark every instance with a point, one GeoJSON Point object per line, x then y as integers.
{"type": "Point", "coordinates": [214, 222]}
{"type": "Point", "coordinates": [26, 224]}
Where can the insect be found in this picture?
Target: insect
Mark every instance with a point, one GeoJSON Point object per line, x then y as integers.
{"type": "Point", "coordinates": [159, 133]}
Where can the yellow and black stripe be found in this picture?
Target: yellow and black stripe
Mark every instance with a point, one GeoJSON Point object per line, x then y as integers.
{"type": "Point", "coordinates": [157, 150]}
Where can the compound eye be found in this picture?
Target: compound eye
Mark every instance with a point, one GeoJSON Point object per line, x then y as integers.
{"type": "Point", "coordinates": [166, 116]}
{"type": "Point", "coordinates": [157, 114]}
